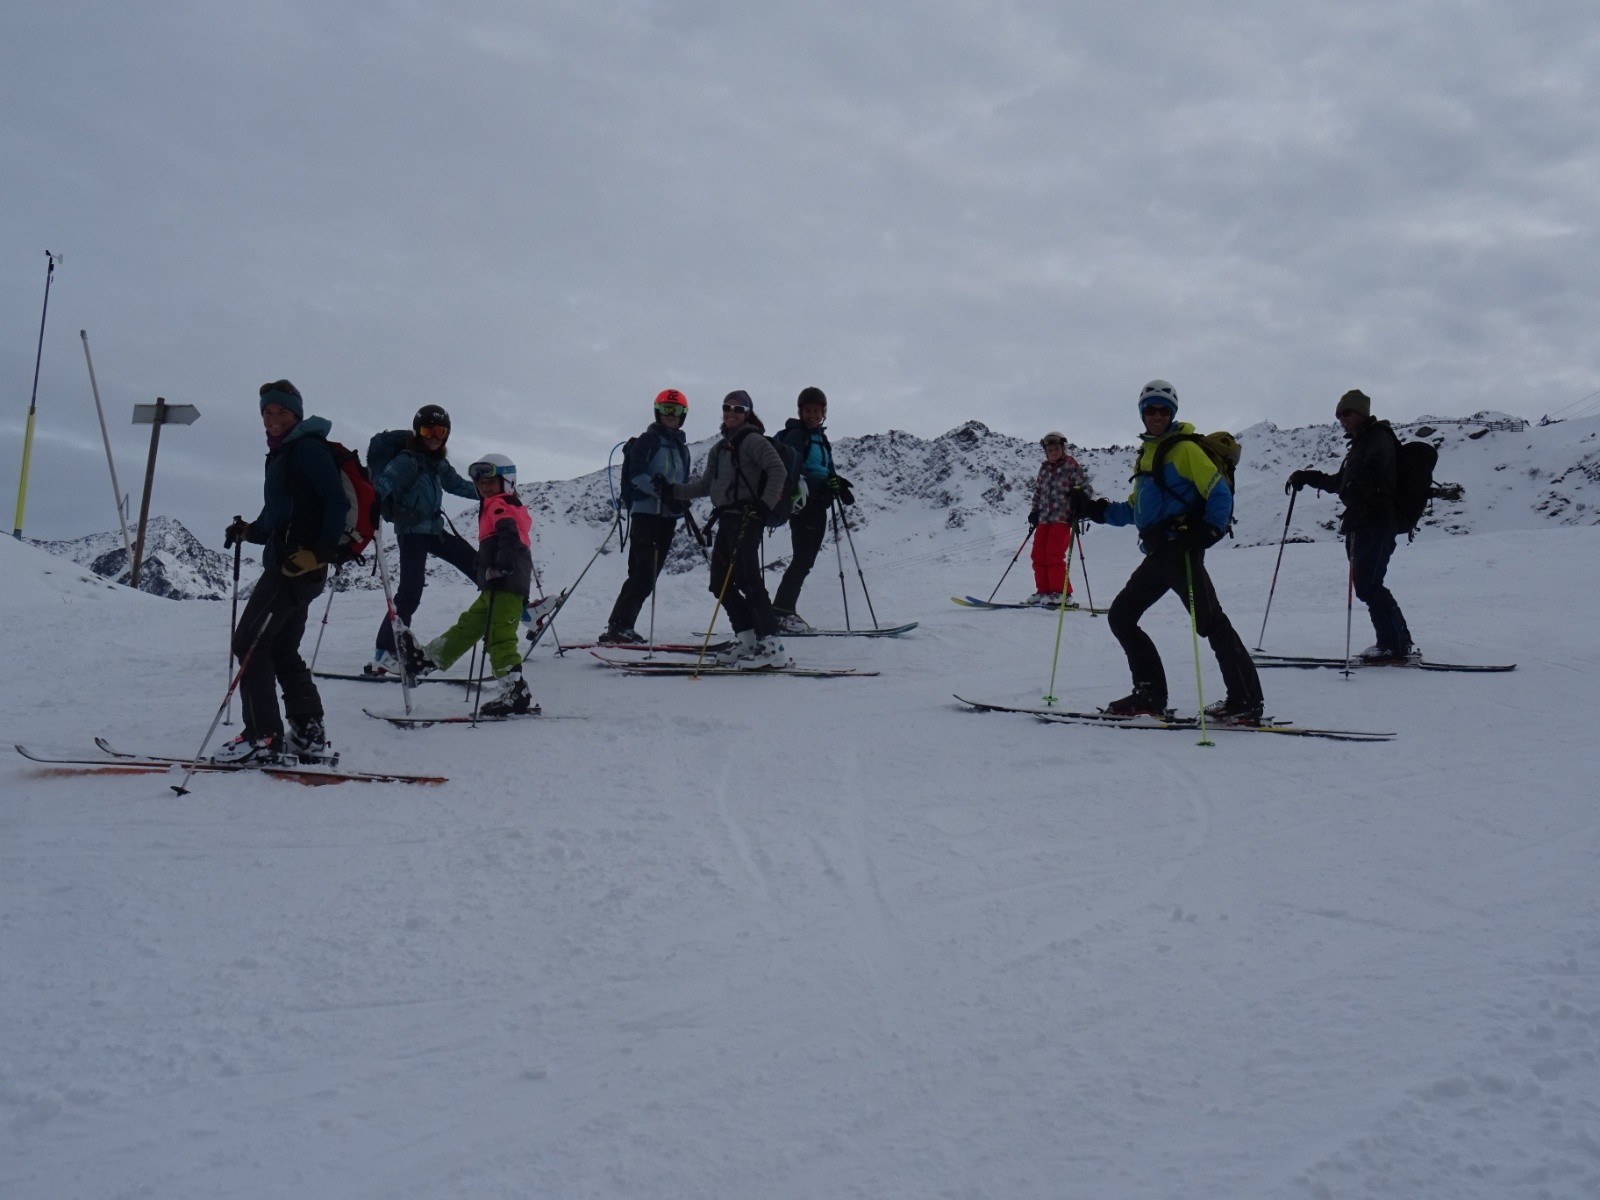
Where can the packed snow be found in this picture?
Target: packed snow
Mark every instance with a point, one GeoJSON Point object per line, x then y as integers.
{"type": "Point", "coordinates": [794, 938]}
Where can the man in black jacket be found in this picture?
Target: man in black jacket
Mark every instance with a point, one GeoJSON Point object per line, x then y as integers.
{"type": "Point", "coordinates": [1366, 483]}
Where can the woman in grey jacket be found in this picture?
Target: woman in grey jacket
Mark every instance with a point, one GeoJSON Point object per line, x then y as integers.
{"type": "Point", "coordinates": [743, 477]}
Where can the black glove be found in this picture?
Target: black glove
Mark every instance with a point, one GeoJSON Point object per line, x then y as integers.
{"type": "Point", "coordinates": [1033, 519]}
{"type": "Point", "coordinates": [1195, 535]}
{"type": "Point", "coordinates": [1092, 507]}
{"type": "Point", "coordinates": [1297, 481]}
{"type": "Point", "coordinates": [238, 531]}
{"type": "Point", "coordinates": [663, 487]}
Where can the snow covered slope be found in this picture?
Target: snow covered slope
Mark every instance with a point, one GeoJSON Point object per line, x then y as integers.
{"type": "Point", "coordinates": [787, 938]}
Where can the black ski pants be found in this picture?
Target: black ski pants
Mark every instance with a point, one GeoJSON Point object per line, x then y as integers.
{"type": "Point", "coordinates": [737, 548]}
{"type": "Point", "coordinates": [807, 529]}
{"type": "Point", "coordinates": [1167, 570]}
{"type": "Point", "coordinates": [414, 551]}
{"type": "Point", "coordinates": [1369, 551]}
{"type": "Point", "coordinates": [651, 541]}
{"type": "Point", "coordinates": [273, 622]}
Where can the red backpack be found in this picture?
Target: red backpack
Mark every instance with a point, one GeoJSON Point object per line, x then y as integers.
{"type": "Point", "coordinates": [361, 518]}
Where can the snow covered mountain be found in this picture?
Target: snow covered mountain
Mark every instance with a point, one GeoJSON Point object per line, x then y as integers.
{"type": "Point", "coordinates": [1515, 476]}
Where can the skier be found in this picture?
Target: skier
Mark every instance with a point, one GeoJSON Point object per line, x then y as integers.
{"type": "Point", "coordinates": [808, 525]}
{"type": "Point", "coordinates": [302, 518]}
{"type": "Point", "coordinates": [1051, 520]}
{"type": "Point", "coordinates": [411, 487]}
{"type": "Point", "coordinates": [744, 478]}
{"type": "Point", "coordinates": [1178, 515]}
{"type": "Point", "coordinates": [1366, 483]}
{"type": "Point", "coordinates": [505, 575]}
{"type": "Point", "coordinates": [661, 450]}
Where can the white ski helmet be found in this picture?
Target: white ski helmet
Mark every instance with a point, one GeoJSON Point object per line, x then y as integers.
{"type": "Point", "coordinates": [494, 466]}
{"type": "Point", "coordinates": [1159, 393]}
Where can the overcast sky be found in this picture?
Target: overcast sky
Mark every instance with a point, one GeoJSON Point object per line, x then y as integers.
{"type": "Point", "coordinates": [539, 214]}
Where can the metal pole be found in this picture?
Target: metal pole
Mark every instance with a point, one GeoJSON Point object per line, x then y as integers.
{"type": "Point", "coordinates": [1260, 637]}
{"type": "Point", "coordinates": [33, 402]}
{"type": "Point", "coordinates": [116, 488]}
{"type": "Point", "coordinates": [233, 624]}
{"type": "Point", "coordinates": [149, 482]}
{"type": "Point", "coordinates": [850, 537]}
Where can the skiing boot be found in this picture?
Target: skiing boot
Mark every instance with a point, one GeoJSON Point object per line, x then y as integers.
{"type": "Point", "coordinates": [415, 661]}
{"type": "Point", "coordinates": [248, 750]}
{"type": "Point", "coordinates": [743, 646]}
{"type": "Point", "coordinates": [306, 738]}
{"type": "Point", "coordinates": [511, 696]}
{"type": "Point", "coordinates": [769, 655]}
{"type": "Point", "coordinates": [1037, 598]}
{"type": "Point", "coordinates": [383, 664]}
{"type": "Point", "coordinates": [621, 637]}
{"type": "Point", "coordinates": [1141, 702]}
{"type": "Point", "coordinates": [1235, 712]}
{"type": "Point", "coordinates": [1386, 656]}
{"type": "Point", "coordinates": [793, 623]}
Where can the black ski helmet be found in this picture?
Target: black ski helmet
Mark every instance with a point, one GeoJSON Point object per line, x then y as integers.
{"type": "Point", "coordinates": [430, 414]}
{"type": "Point", "coordinates": [811, 395]}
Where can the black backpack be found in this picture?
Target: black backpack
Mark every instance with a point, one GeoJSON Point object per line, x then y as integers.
{"type": "Point", "coordinates": [381, 451]}
{"type": "Point", "coordinates": [1414, 463]}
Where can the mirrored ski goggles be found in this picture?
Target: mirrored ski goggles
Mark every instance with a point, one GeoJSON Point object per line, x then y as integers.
{"type": "Point", "coordinates": [434, 431]}
{"type": "Point", "coordinates": [480, 471]}
{"type": "Point", "coordinates": [1048, 442]}
{"type": "Point", "coordinates": [744, 408]}
{"type": "Point", "coordinates": [672, 410]}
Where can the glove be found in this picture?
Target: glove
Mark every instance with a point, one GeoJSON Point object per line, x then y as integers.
{"type": "Point", "coordinates": [492, 573]}
{"type": "Point", "coordinates": [663, 487]}
{"type": "Point", "coordinates": [1195, 536]}
{"type": "Point", "coordinates": [759, 511]}
{"type": "Point", "coordinates": [1297, 481]}
{"type": "Point", "coordinates": [301, 562]}
{"type": "Point", "coordinates": [1033, 519]}
{"type": "Point", "coordinates": [1092, 507]}
{"type": "Point", "coordinates": [236, 533]}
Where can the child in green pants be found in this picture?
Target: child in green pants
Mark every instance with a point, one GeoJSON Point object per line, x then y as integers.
{"type": "Point", "coordinates": [505, 575]}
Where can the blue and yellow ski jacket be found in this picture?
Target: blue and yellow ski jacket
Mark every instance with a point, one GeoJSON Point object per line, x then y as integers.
{"type": "Point", "coordinates": [1190, 486]}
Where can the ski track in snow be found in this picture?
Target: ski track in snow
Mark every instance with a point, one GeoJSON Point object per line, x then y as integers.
{"type": "Point", "coordinates": [803, 938]}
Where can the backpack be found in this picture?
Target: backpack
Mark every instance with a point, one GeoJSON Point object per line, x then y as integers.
{"type": "Point", "coordinates": [794, 489]}
{"type": "Point", "coordinates": [381, 451]}
{"type": "Point", "coordinates": [1222, 448]}
{"type": "Point", "coordinates": [361, 518]}
{"type": "Point", "coordinates": [1413, 488]}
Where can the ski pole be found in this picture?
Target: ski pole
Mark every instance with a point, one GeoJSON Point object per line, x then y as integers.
{"type": "Point", "coordinates": [727, 579]}
{"type": "Point", "coordinates": [533, 638]}
{"type": "Point", "coordinates": [333, 586]}
{"type": "Point", "coordinates": [1349, 600]}
{"type": "Point", "coordinates": [1083, 565]}
{"type": "Point", "coordinates": [233, 621]}
{"type": "Point", "coordinates": [655, 568]}
{"type": "Point", "coordinates": [1260, 637]}
{"type": "Point", "coordinates": [838, 554]}
{"type": "Point", "coordinates": [488, 626]}
{"type": "Point", "coordinates": [1061, 620]}
{"type": "Point", "coordinates": [850, 537]}
{"type": "Point", "coordinates": [538, 582]}
{"type": "Point", "coordinates": [1013, 562]}
{"type": "Point", "coordinates": [397, 627]}
{"type": "Point", "coordinates": [1194, 632]}
{"type": "Point", "coordinates": [182, 786]}
{"type": "Point", "coordinates": [699, 536]}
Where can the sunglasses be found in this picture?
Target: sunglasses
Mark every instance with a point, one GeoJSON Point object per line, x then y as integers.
{"type": "Point", "coordinates": [441, 432]}
{"type": "Point", "coordinates": [672, 410]}
{"type": "Point", "coordinates": [735, 408]}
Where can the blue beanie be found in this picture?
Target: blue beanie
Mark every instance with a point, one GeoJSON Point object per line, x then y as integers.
{"type": "Point", "coordinates": [285, 395]}
{"type": "Point", "coordinates": [1158, 393]}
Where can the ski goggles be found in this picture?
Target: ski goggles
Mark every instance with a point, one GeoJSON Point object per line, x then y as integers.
{"type": "Point", "coordinates": [1048, 442]}
{"type": "Point", "coordinates": [744, 408]}
{"type": "Point", "coordinates": [672, 410]}
{"type": "Point", "coordinates": [441, 432]}
{"type": "Point", "coordinates": [480, 471]}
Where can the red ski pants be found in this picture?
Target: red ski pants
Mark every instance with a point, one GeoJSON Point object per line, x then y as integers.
{"type": "Point", "coordinates": [1051, 545]}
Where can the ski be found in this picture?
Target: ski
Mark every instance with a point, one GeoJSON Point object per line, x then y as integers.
{"type": "Point", "coordinates": [391, 677]}
{"type": "Point", "coordinates": [974, 602]}
{"type": "Point", "coordinates": [119, 763]}
{"type": "Point", "coordinates": [645, 667]}
{"type": "Point", "coordinates": [886, 631]}
{"type": "Point", "coordinates": [1306, 662]}
{"type": "Point", "coordinates": [422, 721]}
{"type": "Point", "coordinates": [642, 647]}
{"type": "Point", "coordinates": [1175, 722]}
